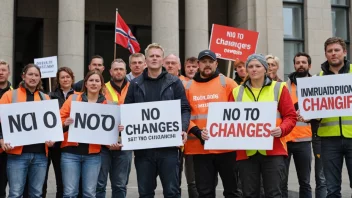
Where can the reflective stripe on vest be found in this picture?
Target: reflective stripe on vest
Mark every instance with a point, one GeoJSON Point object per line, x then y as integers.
{"type": "Point", "coordinates": [306, 139]}
{"type": "Point", "coordinates": [14, 96]}
{"type": "Point", "coordinates": [276, 92]}
{"type": "Point", "coordinates": [222, 82]}
{"type": "Point", "coordinates": [114, 96]}
{"type": "Point", "coordinates": [199, 116]}
{"type": "Point", "coordinates": [187, 85]}
{"type": "Point", "coordinates": [75, 96]}
{"type": "Point", "coordinates": [334, 123]}
{"type": "Point", "coordinates": [276, 89]}
{"type": "Point", "coordinates": [336, 126]}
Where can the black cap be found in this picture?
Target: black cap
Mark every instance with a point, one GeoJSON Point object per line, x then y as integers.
{"type": "Point", "coordinates": [207, 53]}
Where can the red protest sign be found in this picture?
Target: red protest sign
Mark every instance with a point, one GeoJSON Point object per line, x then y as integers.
{"type": "Point", "coordinates": [232, 43]}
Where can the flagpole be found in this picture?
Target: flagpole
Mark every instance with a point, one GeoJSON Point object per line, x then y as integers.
{"type": "Point", "coordinates": [115, 33]}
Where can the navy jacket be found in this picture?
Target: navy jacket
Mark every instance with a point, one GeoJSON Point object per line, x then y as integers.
{"type": "Point", "coordinates": [172, 89]}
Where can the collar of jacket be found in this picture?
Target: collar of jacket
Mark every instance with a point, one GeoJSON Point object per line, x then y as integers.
{"type": "Point", "coordinates": [117, 88]}
{"type": "Point", "coordinates": [293, 77]}
{"type": "Point", "coordinates": [345, 69]}
{"type": "Point", "coordinates": [197, 77]}
{"type": "Point", "coordinates": [101, 98]}
{"type": "Point", "coordinates": [267, 82]}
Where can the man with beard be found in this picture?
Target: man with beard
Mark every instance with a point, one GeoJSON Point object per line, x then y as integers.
{"type": "Point", "coordinates": [335, 132]}
{"type": "Point", "coordinates": [5, 85]}
{"type": "Point", "coordinates": [117, 163]}
{"type": "Point", "coordinates": [299, 140]}
{"type": "Point", "coordinates": [208, 85]}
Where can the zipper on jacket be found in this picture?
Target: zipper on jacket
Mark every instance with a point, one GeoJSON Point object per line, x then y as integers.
{"type": "Point", "coordinates": [340, 124]}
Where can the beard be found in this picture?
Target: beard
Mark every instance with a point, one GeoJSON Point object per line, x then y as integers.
{"type": "Point", "coordinates": [303, 73]}
{"type": "Point", "coordinates": [339, 63]}
{"type": "Point", "coordinates": [118, 79]}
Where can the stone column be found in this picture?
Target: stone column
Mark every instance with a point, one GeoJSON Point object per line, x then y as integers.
{"type": "Point", "coordinates": [165, 27]}
{"type": "Point", "coordinates": [269, 24]}
{"type": "Point", "coordinates": [318, 28]}
{"type": "Point", "coordinates": [196, 27]}
{"type": "Point", "coordinates": [6, 33]}
{"type": "Point", "coordinates": [71, 36]}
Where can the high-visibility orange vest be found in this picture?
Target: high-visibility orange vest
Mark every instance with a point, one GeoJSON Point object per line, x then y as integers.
{"type": "Point", "coordinates": [302, 131]}
{"type": "Point", "coordinates": [65, 113]}
{"type": "Point", "coordinates": [199, 95]}
{"type": "Point", "coordinates": [112, 95]}
{"type": "Point", "coordinates": [20, 95]}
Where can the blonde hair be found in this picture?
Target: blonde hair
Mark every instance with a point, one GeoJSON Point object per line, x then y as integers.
{"type": "Point", "coordinates": [153, 45]}
{"type": "Point", "coordinates": [2, 62]}
{"type": "Point", "coordinates": [136, 55]}
{"type": "Point", "coordinates": [275, 58]}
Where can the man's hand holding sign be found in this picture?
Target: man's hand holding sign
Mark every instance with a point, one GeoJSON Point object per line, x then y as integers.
{"type": "Point", "coordinates": [151, 125]}
{"type": "Point", "coordinates": [232, 126]}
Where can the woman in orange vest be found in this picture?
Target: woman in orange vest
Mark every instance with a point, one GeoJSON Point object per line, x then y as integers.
{"type": "Point", "coordinates": [268, 164]}
{"type": "Point", "coordinates": [28, 161]}
{"type": "Point", "coordinates": [82, 160]}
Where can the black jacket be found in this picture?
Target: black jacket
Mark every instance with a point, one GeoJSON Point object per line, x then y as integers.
{"type": "Point", "coordinates": [171, 89]}
{"type": "Point", "coordinates": [344, 70]}
{"type": "Point", "coordinates": [2, 91]}
{"type": "Point", "coordinates": [59, 95]}
{"type": "Point", "coordinates": [78, 86]}
{"type": "Point", "coordinates": [238, 79]}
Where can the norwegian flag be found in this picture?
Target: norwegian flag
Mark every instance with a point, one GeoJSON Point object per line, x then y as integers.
{"type": "Point", "coordinates": [124, 36]}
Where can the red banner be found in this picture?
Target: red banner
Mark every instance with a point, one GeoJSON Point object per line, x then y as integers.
{"type": "Point", "coordinates": [232, 43]}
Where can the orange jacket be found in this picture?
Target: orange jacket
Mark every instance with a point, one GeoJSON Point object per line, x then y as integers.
{"type": "Point", "coordinates": [302, 131]}
{"type": "Point", "coordinates": [121, 97]}
{"type": "Point", "coordinates": [65, 113]}
{"type": "Point", "coordinates": [183, 78]}
{"type": "Point", "coordinates": [199, 94]}
{"type": "Point", "coordinates": [21, 97]}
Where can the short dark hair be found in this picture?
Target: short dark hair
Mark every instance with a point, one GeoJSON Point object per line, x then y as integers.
{"type": "Point", "coordinates": [96, 56]}
{"type": "Point", "coordinates": [333, 40]}
{"type": "Point", "coordinates": [303, 54]}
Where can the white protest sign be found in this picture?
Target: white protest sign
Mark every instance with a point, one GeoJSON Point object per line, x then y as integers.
{"type": "Point", "coordinates": [94, 123]}
{"type": "Point", "coordinates": [151, 125]}
{"type": "Point", "coordinates": [48, 66]}
{"type": "Point", "coordinates": [325, 96]}
{"type": "Point", "coordinates": [27, 123]}
{"type": "Point", "coordinates": [241, 125]}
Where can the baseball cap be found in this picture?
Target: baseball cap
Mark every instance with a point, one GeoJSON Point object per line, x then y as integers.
{"type": "Point", "coordinates": [207, 53]}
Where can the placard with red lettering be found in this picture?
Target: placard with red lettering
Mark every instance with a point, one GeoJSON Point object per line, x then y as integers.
{"type": "Point", "coordinates": [325, 96]}
{"type": "Point", "coordinates": [232, 43]}
{"type": "Point", "coordinates": [241, 125]}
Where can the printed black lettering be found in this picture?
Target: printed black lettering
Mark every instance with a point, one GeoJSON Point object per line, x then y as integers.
{"type": "Point", "coordinates": [112, 122]}
{"type": "Point", "coordinates": [79, 120]}
{"type": "Point", "coordinates": [54, 119]}
{"type": "Point", "coordinates": [97, 123]}
{"type": "Point", "coordinates": [16, 123]}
